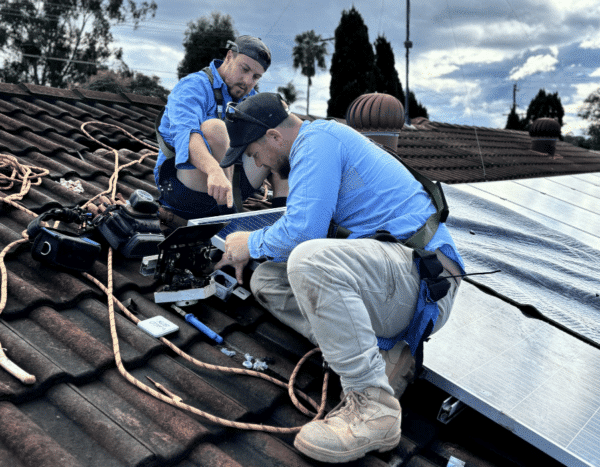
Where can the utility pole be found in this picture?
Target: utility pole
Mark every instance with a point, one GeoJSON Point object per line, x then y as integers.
{"type": "Point", "coordinates": [515, 90]}
{"type": "Point", "coordinates": [408, 44]}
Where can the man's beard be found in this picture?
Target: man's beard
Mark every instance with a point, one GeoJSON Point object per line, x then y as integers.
{"type": "Point", "coordinates": [238, 88]}
{"type": "Point", "coordinates": [284, 168]}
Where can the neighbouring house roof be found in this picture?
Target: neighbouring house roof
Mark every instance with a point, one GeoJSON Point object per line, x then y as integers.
{"type": "Point", "coordinates": [82, 412]}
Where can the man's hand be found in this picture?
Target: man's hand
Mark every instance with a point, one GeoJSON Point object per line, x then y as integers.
{"type": "Point", "coordinates": [219, 187]}
{"type": "Point", "coordinates": [237, 253]}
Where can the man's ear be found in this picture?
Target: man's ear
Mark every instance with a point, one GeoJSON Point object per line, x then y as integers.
{"type": "Point", "coordinates": [274, 135]}
{"type": "Point", "coordinates": [229, 56]}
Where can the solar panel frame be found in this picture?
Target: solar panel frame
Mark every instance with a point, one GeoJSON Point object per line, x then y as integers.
{"type": "Point", "coordinates": [243, 221]}
{"type": "Point", "coordinates": [524, 374]}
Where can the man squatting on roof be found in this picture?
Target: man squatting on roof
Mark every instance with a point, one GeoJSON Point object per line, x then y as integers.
{"type": "Point", "coordinates": [192, 184]}
{"type": "Point", "coordinates": [342, 294]}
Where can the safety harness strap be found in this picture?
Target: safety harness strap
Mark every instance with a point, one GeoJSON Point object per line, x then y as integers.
{"type": "Point", "coordinates": [424, 235]}
{"type": "Point", "coordinates": [169, 151]}
{"type": "Point", "coordinates": [166, 148]}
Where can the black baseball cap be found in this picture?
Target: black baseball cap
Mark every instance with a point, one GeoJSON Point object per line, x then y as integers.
{"type": "Point", "coordinates": [249, 120]}
{"type": "Point", "coordinates": [253, 47]}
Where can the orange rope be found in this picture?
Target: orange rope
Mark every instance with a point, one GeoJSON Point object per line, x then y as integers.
{"type": "Point", "coordinates": [176, 401]}
{"type": "Point", "coordinates": [25, 174]}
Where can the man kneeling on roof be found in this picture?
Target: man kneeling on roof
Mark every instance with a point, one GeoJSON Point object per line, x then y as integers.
{"type": "Point", "coordinates": [352, 297]}
{"type": "Point", "coordinates": [193, 139]}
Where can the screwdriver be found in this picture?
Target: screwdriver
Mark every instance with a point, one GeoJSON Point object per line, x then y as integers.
{"type": "Point", "coordinates": [190, 318]}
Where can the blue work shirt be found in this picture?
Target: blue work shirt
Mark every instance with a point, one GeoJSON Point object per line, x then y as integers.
{"type": "Point", "coordinates": [191, 102]}
{"type": "Point", "coordinates": [338, 174]}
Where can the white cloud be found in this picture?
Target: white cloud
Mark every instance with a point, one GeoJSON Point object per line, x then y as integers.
{"type": "Point", "coordinates": [151, 58]}
{"type": "Point", "coordinates": [533, 65]}
{"type": "Point", "coordinates": [596, 73]}
{"type": "Point", "coordinates": [499, 32]}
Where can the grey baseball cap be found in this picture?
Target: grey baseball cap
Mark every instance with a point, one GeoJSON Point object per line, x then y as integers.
{"type": "Point", "coordinates": [252, 47]}
{"type": "Point", "coordinates": [249, 120]}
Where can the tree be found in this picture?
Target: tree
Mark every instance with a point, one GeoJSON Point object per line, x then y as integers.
{"type": "Point", "coordinates": [203, 42]}
{"type": "Point", "coordinates": [514, 122]}
{"type": "Point", "coordinates": [309, 49]}
{"type": "Point", "coordinates": [288, 92]}
{"type": "Point", "coordinates": [125, 80]}
{"type": "Point", "coordinates": [387, 80]}
{"type": "Point", "coordinates": [352, 64]}
{"type": "Point", "coordinates": [545, 105]}
{"type": "Point", "coordinates": [416, 109]}
{"type": "Point", "coordinates": [591, 112]}
{"type": "Point", "coordinates": [54, 43]}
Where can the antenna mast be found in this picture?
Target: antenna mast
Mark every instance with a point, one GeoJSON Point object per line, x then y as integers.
{"type": "Point", "coordinates": [408, 44]}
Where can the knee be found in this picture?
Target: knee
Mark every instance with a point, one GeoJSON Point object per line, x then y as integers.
{"type": "Point", "coordinates": [302, 255]}
{"type": "Point", "coordinates": [215, 132]}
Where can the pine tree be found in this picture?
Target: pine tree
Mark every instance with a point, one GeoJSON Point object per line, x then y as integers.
{"type": "Point", "coordinates": [545, 105]}
{"type": "Point", "coordinates": [352, 64]}
{"type": "Point", "coordinates": [416, 109]}
{"type": "Point", "coordinates": [386, 74]}
{"type": "Point", "coordinates": [514, 122]}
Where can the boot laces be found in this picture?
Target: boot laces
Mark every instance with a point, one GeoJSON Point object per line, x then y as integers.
{"type": "Point", "coordinates": [349, 408]}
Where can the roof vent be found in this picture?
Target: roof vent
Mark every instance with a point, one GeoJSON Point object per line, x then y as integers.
{"type": "Point", "coordinates": [544, 133]}
{"type": "Point", "coordinates": [378, 116]}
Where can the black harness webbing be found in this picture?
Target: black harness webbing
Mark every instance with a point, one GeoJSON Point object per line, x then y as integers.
{"type": "Point", "coordinates": [424, 235]}
{"type": "Point", "coordinates": [169, 151]}
{"type": "Point", "coordinates": [426, 232]}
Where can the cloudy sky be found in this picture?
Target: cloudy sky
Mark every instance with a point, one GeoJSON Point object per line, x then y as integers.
{"type": "Point", "coordinates": [466, 54]}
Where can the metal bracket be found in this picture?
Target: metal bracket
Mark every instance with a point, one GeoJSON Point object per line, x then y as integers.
{"type": "Point", "coordinates": [450, 408]}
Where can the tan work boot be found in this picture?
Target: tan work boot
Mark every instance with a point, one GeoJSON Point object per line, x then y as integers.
{"type": "Point", "coordinates": [362, 422]}
{"type": "Point", "coordinates": [399, 367]}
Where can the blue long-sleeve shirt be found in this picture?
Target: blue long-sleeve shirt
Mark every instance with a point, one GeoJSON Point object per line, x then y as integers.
{"type": "Point", "coordinates": [338, 174]}
{"type": "Point", "coordinates": [191, 102]}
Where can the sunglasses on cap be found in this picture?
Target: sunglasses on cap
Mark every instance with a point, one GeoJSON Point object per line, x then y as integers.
{"type": "Point", "coordinates": [232, 113]}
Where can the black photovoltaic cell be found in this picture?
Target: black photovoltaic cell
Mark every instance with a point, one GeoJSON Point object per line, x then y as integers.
{"type": "Point", "coordinates": [245, 221]}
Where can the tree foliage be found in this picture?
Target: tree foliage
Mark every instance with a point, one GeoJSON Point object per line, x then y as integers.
{"type": "Point", "coordinates": [415, 108]}
{"type": "Point", "coordinates": [203, 42]}
{"type": "Point", "coordinates": [352, 64]}
{"type": "Point", "coordinates": [356, 70]}
{"type": "Point", "coordinates": [545, 105]}
{"type": "Point", "coordinates": [56, 43]}
{"type": "Point", "coordinates": [514, 122]}
{"type": "Point", "coordinates": [126, 80]}
{"type": "Point", "coordinates": [288, 92]}
{"type": "Point", "coordinates": [591, 112]}
{"type": "Point", "coordinates": [309, 53]}
{"type": "Point", "coordinates": [386, 76]}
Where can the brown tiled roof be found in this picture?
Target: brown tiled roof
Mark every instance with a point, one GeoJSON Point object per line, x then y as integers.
{"type": "Point", "coordinates": [461, 154]}
{"type": "Point", "coordinates": [81, 412]}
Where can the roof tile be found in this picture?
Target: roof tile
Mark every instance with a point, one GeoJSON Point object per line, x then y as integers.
{"type": "Point", "coordinates": [47, 91]}
{"type": "Point", "coordinates": [81, 411]}
{"type": "Point", "coordinates": [100, 96]}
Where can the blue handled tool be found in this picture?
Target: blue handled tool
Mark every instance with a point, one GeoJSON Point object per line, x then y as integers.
{"type": "Point", "coordinates": [190, 318]}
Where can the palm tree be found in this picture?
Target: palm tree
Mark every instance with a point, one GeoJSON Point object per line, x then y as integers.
{"type": "Point", "coordinates": [288, 92]}
{"type": "Point", "coordinates": [309, 48]}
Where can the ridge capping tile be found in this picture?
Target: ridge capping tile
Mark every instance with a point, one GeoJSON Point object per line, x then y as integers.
{"type": "Point", "coordinates": [50, 92]}
{"type": "Point", "coordinates": [9, 88]}
{"type": "Point", "coordinates": [140, 99]}
{"type": "Point", "coordinates": [101, 96]}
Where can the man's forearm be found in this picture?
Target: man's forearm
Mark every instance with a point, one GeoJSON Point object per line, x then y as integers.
{"type": "Point", "coordinates": [200, 157]}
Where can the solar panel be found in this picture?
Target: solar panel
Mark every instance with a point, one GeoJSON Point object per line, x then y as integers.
{"type": "Point", "coordinates": [523, 373]}
{"type": "Point", "coordinates": [243, 221]}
